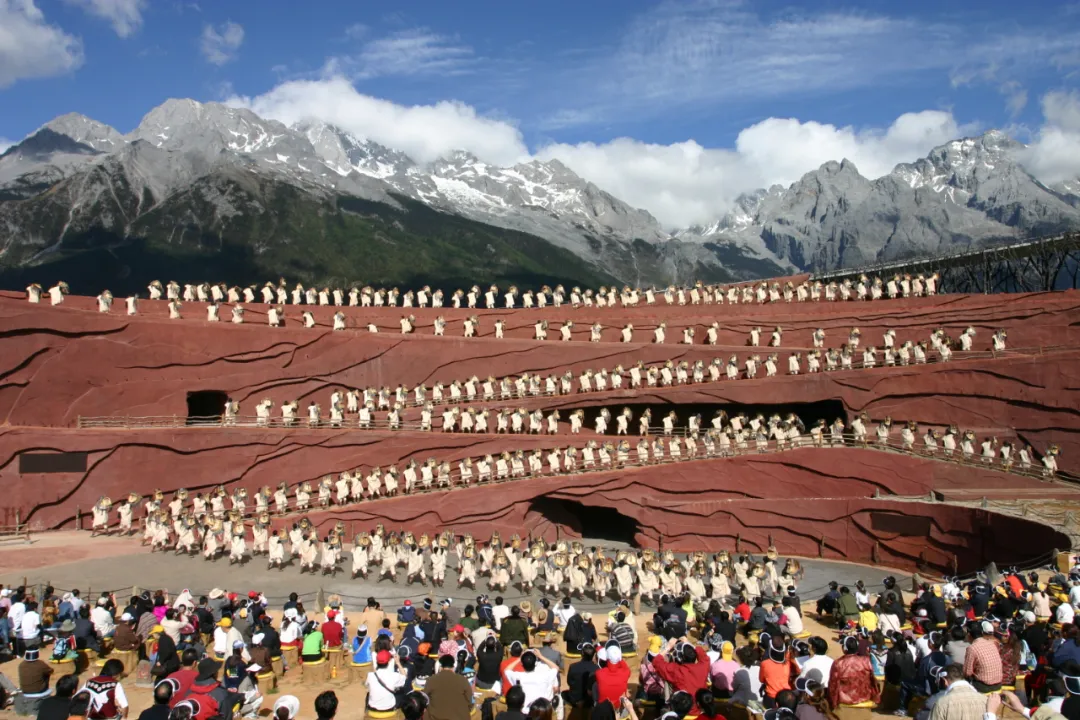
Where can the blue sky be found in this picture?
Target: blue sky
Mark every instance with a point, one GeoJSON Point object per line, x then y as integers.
{"type": "Point", "coordinates": [558, 74]}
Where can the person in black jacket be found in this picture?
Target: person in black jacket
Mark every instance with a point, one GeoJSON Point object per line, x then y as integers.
{"type": "Point", "coordinates": [979, 595]}
{"type": "Point", "coordinates": [579, 679]}
{"type": "Point", "coordinates": [85, 634]}
{"type": "Point", "coordinates": [900, 668]}
{"type": "Point", "coordinates": [489, 658]}
{"type": "Point", "coordinates": [167, 661]}
{"type": "Point", "coordinates": [935, 606]}
{"type": "Point", "coordinates": [271, 639]}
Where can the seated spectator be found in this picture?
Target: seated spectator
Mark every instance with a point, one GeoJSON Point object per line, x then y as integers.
{"type": "Point", "coordinates": [515, 703]}
{"type": "Point", "coordinates": [312, 649]}
{"type": "Point", "coordinates": [621, 632]}
{"type": "Point", "coordinates": [58, 706]}
{"type": "Point", "coordinates": [384, 683]}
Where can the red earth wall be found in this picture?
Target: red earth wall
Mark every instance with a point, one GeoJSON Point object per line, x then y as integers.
{"type": "Point", "coordinates": [60, 363]}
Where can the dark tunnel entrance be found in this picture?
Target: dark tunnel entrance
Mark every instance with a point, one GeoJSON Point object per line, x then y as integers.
{"type": "Point", "coordinates": [592, 523]}
{"type": "Point", "coordinates": [205, 404]}
{"type": "Point", "coordinates": [809, 413]}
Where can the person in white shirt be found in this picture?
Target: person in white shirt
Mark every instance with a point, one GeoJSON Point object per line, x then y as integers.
{"type": "Point", "coordinates": [793, 624]}
{"type": "Point", "coordinates": [382, 683]}
{"type": "Point", "coordinates": [30, 627]}
{"type": "Point", "coordinates": [499, 612]}
{"type": "Point", "coordinates": [818, 665]}
{"type": "Point", "coordinates": [76, 601]}
{"type": "Point", "coordinates": [1065, 613]}
{"type": "Point", "coordinates": [563, 613]}
{"type": "Point", "coordinates": [1074, 594]}
{"type": "Point", "coordinates": [535, 674]}
{"type": "Point", "coordinates": [104, 624]}
{"type": "Point", "coordinates": [15, 617]}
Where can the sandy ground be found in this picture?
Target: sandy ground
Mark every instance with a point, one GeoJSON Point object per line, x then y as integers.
{"type": "Point", "coordinates": [73, 559]}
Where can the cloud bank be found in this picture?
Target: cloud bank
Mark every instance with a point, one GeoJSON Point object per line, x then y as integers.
{"type": "Point", "coordinates": [681, 183]}
{"type": "Point", "coordinates": [32, 48]}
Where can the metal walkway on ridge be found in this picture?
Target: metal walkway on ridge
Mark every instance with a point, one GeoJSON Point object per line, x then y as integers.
{"type": "Point", "coordinates": [1037, 264]}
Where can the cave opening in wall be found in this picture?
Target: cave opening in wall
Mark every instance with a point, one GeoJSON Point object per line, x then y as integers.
{"type": "Point", "coordinates": [205, 404]}
{"type": "Point", "coordinates": [809, 413]}
{"type": "Point", "coordinates": [601, 524]}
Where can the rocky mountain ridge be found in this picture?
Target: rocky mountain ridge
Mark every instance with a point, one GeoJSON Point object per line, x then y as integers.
{"type": "Point", "coordinates": [194, 169]}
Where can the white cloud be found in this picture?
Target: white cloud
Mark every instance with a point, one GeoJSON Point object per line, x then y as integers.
{"type": "Point", "coordinates": [424, 132]}
{"type": "Point", "coordinates": [1054, 154]}
{"type": "Point", "coordinates": [681, 183]}
{"type": "Point", "coordinates": [1016, 96]}
{"type": "Point", "coordinates": [219, 44]}
{"type": "Point", "coordinates": [32, 48]}
{"type": "Point", "coordinates": [412, 52]}
{"type": "Point", "coordinates": [5, 144]}
{"type": "Point", "coordinates": [124, 15]}
{"type": "Point", "coordinates": [685, 183]}
{"type": "Point", "coordinates": [707, 55]}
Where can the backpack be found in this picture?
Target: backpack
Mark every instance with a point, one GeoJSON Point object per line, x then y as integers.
{"type": "Point", "coordinates": [575, 631]}
{"type": "Point", "coordinates": [61, 647]}
{"type": "Point", "coordinates": [206, 704]}
{"type": "Point", "coordinates": [487, 709]}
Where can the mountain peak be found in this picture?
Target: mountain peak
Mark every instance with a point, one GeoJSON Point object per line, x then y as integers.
{"type": "Point", "coordinates": [86, 131]}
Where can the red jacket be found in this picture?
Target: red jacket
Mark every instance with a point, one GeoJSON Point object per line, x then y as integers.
{"type": "Point", "coordinates": [333, 633]}
{"type": "Point", "coordinates": [186, 678]}
{"type": "Point", "coordinates": [688, 678]}
{"type": "Point", "coordinates": [611, 682]}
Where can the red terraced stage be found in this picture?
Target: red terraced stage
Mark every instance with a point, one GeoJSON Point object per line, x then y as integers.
{"type": "Point", "coordinates": [60, 363]}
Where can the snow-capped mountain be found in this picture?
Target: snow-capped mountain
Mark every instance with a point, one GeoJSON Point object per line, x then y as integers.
{"type": "Point", "coordinates": [966, 193]}
{"type": "Point", "coordinates": [211, 171]}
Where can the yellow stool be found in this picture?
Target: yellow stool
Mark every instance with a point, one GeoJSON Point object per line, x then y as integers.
{"type": "Point", "coordinates": [67, 666]}
{"type": "Point", "coordinates": [83, 661]}
{"type": "Point", "coordinates": [130, 659]}
{"type": "Point", "coordinates": [381, 714]}
{"type": "Point", "coordinates": [269, 678]}
{"type": "Point", "coordinates": [859, 706]}
{"type": "Point", "coordinates": [356, 670]}
{"type": "Point", "coordinates": [333, 655]}
{"type": "Point", "coordinates": [276, 665]}
{"type": "Point", "coordinates": [572, 656]}
{"type": "Point", "coordinates": [314, 673]}
{"type": "Point", "coordinates": [803, 635]}
{"type": "Point", "coordinates": [290, 655]}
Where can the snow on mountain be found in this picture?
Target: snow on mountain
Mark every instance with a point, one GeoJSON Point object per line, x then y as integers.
{"type": "Point", "coordinates": [965, 192]}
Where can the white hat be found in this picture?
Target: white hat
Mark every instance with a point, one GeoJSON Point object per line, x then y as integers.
{"type": "Point", "coordinates": [257, 638]}
{"type": "Point", "coordinates": [1029, 617]}
{"type": "Point", "coordinates": [126, 617]}
{"type": "Point", "coordinates": [602, 654]}
{"type": "Point", "coordinates": [102, 601]}
{"type": "Point", "coordinates": [6, 592]}
{"type": "Point", "coordinates": [290, 702]}
{"type": "Point", "coordinates": [614, 654]}
{"type": "Point", "coordinates": [238, 644]}
{"type": "Point", "coordinates": [987, 627]}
